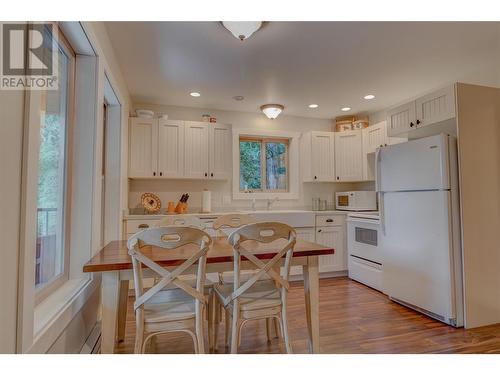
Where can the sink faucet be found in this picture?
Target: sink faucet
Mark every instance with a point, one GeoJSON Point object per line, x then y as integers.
{"type": "Point", "coordinates": [270, 202]}
{"type": "Point", "coordinates": [253, 204]}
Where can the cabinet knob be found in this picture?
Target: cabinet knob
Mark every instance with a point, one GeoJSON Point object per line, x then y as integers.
{"type": "Point", "coordinates": [412, 124]}
{"type": "Point", "coordinates": [315, 177]}
{"type": "Point", "coordinates": [211, 174]}
{"type": "Point", "coordinates": [386, 145]}
{"type": "Point", "coordinates": [338, 178]}
{"type": "Point", "coordinates": [418, 122]}
{"type": "Point", "coordinates": [206, 174]}
{"type": "Point", "coordinates": [161, 173]}
{"type": "Point", "coordinates": [143, 226]}
{"type": "Point", "coordinates": [154, 173]}
{"type": "Point", "coordinates": [319, 230]}
{"type": "Point", "coordinates": [329, 220]}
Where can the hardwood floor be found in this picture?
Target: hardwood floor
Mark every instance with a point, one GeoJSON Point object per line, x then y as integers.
{"type": "Point", "coordinates": [353, 319]}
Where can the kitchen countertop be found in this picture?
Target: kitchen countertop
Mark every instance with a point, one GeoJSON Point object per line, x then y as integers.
{"type": "Point", "coordinates": [222, 211]}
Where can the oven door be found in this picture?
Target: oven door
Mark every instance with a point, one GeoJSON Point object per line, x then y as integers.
{"type": "Point", "coordinates": [363, 239]}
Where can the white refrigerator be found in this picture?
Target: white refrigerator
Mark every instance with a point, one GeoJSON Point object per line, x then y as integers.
{"type": "Point", "coordinates": [417, 182]}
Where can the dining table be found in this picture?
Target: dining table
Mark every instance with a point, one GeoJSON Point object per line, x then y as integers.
{"type": "Point", "coordinates": [115, 266]}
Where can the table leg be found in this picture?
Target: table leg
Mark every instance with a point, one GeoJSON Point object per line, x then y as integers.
{"type": "Point", "coordinates": [122, 309]}
{"type": "Point", "coordinates": [109, 300]}
{"type": "Point", "coordinates": [311, 292]}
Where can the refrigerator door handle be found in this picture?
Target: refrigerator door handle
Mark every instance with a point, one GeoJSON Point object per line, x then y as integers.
{"type": "Point", "coordinates": [377, 169]}
{"type": "Point", "coordinates": [381, 209]}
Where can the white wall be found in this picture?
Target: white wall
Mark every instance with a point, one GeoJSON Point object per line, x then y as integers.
{"type": "Point", "coordinates": [11, 135]}
{"type": "Point", "coordinates": [171, 190]}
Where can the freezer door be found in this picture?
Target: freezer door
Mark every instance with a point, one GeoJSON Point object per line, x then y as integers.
{"type": "Point", "coordinates": [417, 251]}
{"type": "Point", "coordinates": [420, 164]}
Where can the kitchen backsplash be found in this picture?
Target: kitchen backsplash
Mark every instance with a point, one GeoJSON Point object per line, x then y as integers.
{"type": "Point", "coordinates": [171, 190]}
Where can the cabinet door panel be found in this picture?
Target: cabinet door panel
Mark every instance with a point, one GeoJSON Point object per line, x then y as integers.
{"type": "Point", "coordinates": [220, 151]}
{"type": "Point", "coordinates": [196, 150]}
{"type": "Point", "coordinates": [332, 237]}
{"type": "Point", "coordinates": [170, 148]}
{"type": "Point", "coordinates": [436, 107]}
{"type": "Point", "coordinates": [323, 156]}
{"type": "Point", "coordinates": [143, 152]}
{"type": "Point", "coordinates": [348, 156]}
{"type": "Point", "coordinates": [374, 136]}
{"type": "Point", "coordinates": [399, 119]}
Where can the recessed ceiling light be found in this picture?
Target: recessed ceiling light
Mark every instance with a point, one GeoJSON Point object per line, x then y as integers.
{"type": "Point", "coordinates": [195, 94]}
{"type": "Point", "coordinates": [345, 109]}
{"type": "Point", "coordinates": [369, 97]}
{"type": "Point", "coordinates": [313, 106]}
{"type": "Point", "coordinates": [238, 98]}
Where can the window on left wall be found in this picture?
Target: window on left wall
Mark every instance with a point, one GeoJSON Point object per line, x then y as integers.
{"type": "Point", "coordinates": [53, 190]}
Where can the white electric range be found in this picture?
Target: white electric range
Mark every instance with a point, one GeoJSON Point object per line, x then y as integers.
{"type": "Point", "coordinates": [365, 263]}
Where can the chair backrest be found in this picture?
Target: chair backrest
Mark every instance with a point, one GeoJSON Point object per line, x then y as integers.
{"type": "Point", "coordinates": [265, 232]}
{"type": "Point", "coordinates": [231, 221]}
{"type": "Point", "coordinates": [184, 221]}
{"type": "Point", "coordinates": [168, 238]}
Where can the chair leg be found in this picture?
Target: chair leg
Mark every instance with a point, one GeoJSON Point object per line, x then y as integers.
{"type": "Point", "coordinates": [139, 333]}
{"type": "Point", "coordinates": [211, 321]}
{"type": "Point", "coordinates": [199, 334]}
{"type": "Point", "coordinates": [216, 324]}
{"type": "Point", "coordinates": [227, 318]}
{"type": "Point", "coordinates": [268, 328]}
{"type": "Point", "coordinates": [286, 335]}
{"type": "Point", "coordinates": [277, 327]}
{"type": "Point", "coordinates": [235, 330]}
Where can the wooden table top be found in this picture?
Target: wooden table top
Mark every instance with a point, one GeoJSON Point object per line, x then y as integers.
{"type": "Point", "coordinates": [114, 256]}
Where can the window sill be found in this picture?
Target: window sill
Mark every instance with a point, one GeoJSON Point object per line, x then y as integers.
{"type": "Point", "coordinates": [53, 314]}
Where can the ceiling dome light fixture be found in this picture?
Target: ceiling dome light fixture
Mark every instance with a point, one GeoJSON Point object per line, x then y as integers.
{"type": "Point", "coordinates": [242, 29]}
{"type": "Point", "coordinates": [369, 97]}
{"type": "Point", "coordinates": [272, 110]}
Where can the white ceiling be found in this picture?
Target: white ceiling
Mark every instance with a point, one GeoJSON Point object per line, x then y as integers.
{"type": "Point", "coordinates": [333, 64]}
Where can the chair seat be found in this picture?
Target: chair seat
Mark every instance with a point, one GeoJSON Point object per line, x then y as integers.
{"type": "Point", "coordinates": [169, 305]}
{"type": "Point", "coordinates": [261, 295]}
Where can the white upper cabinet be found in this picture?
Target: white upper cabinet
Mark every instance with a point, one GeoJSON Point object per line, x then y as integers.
{"type": "Point", "coordinates": [349, 156]}
{"type": "Point", "coordinates": [318, 156]}
{"type": "Point", "coordinates": [170, 148]}
{"type": "Point", "coordinates": [162, 148]}
{"type": "Point", "coordinates": [401, 119]}
{"type": "Point", "coordinates": [426, 110]}
{"type": "Point", "coordinates": [374, 136]}
{"type": "Point", "coordinates": [143, 147]}
{"type": "Point", "coordinates": [220, 151]}
{"type": "Point", "coordinates": [196, 150]}
{"type": "Point", "coordinates": [436, 107]}
{"type": "Point", "coordinates": [207, 151]}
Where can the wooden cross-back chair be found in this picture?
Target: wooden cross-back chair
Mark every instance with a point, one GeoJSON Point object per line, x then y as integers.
{"type": "Point", "coordinates": [232, 222]}
{"type": "Point", "coordinates": [159, 310]}
{"type": "Point", "coordinates": [259, 298]}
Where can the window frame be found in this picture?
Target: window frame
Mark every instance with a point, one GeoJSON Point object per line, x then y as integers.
{"type": "Point", "coordinates": [47, 289]}
{"type": "Point", "coordinates": [293, 163]}
{"type": "Point", "coordinates": [263, 165]}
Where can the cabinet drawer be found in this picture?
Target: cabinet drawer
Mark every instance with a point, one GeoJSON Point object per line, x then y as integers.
{"type": "Point", "coordinates": [330, 220]}
{"type": "Point", "coordinates": [134, 226]}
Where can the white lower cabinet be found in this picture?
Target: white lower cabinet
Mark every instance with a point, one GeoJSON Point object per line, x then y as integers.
{"type": "Point", "coordinates": [330, 231]}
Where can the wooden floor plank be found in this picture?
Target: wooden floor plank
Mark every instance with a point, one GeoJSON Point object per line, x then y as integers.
{"type": "Point", "coordinates": [353, 319]}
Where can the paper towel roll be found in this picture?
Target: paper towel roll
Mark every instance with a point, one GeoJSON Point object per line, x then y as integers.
{"type": "Point", "coordinates": [206, 201]}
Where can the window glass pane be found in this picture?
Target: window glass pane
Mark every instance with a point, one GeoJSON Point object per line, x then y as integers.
{"type": "Point", "coordinates": [250, 165]}
{"type": "Point", "coordinates": [276, 169]}
{"type": "Point", "coordinates": [52, 178]}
